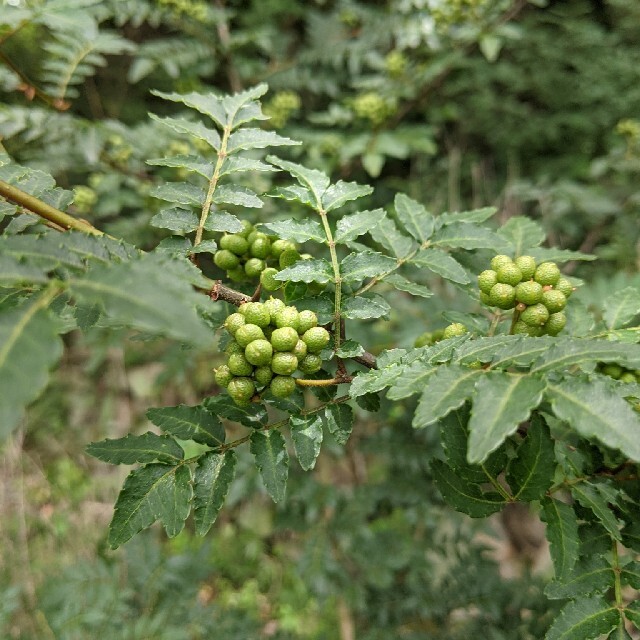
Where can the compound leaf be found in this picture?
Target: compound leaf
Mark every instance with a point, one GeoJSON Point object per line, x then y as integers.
{"type": "Point", "coordinates": [189, 423]}
{"type": "Point", "coordinates": [584, 619]}
{"type": "Point", "coordinates": [148, 447]}
{"type": "Point", "coordinates": [354, 225]}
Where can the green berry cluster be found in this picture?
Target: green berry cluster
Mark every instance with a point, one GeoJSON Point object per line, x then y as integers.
{"type": "Point", "coordinates": [431, 337]}
{"type": "Point", "coordinates": [270, 343]}
{"type": "Point", "coordinates": [373, 107]}
{"type": "Point", "coordinates": [250, 254]}
{"type": "Point", "coordinates": [618, 372]}
{"type": "Point", "coordinates": [395, 63]}
{"type": "Point", "coordinates": [281, 107]}
{"type": "Point", "coordinates": [537, 292]}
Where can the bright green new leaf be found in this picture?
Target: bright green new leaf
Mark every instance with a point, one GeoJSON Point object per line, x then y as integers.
{"type": "Point", "coordinates": [189, 423]}
{"type": "Point", "coordinates": [584, 619]}
{"type": "Point", "coordinates": [272, 460]}
{"type": "Point", "coordinates": [562, 534]}
{"type": "Point", "coordinates": [306, 433]}
{"type": "Point", "coordinates": [148, 447]}
{"type": "Point", "coordinates": [212, 479]}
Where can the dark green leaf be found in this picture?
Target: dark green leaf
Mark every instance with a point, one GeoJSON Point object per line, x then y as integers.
{"type": "Point", "coordinates": [189, 423]}
{"type": "Point", "coordinates": [632, 613]}
{"type": "Point", "coordinates": [530, 473]}
{"type": "Point", "coordinates": [387, 234]}
{"type": "Point", "coordinates": [212, 479]}
{"type": "Point", "coordinates": [29, 348]}
{"type": "Point", "coordinates": [402, 284]}
{"type": "Point", "coordinates": [463, 495]}
{"type": "Point", "coordinates": [296, 230]}
{"type": "Point", "coordinates": [365, 307]}
{"type": "Point", "coordinates": [591, 498]}
{"type": "Point", "coordinates": [176, 219]}
{"type": "Point", "coordinates": [294, 192]}
{"type": "Point", "coordinates": [542, 254]}
{"type": "Point", "coordinates": [441, 263]}
{"type": "Point", "coordinates": [306, 433]}
{"type": "Point", "coordinates": [445, 390]}
{"type": "Point", "coordinates": [466, 235]}
{"type": "Point", "coordinates": [502, 402]}
{"type": "Point", "coordinates": [339, 421]}
{"type": "Point", "coordinates": [522, 233]}
{"type": "Point", "coordinates": [192, 163]}
{"type": "Point", "coordinates": [565, 353]}
{"type": "Point", "coordinates": [222, 221]}
{"type": "Point", "coordinates": [256, 139]}
{"type": "Point", "coordinates": [253, 415]}
{"type": "Point", "coordinates": [476, 215]}
{"type": "Point", "coordinates": [521, 351]}
{"type": "Point", "coordinates": [340, 192]}
{"type": "Point", "coordinates": [234, 164]}
{"type": "Point", "coordinates": [369, 402]}
{"type": "Point", "coordinates": [631, 536]}
{"type": "Point", "coordinates": [483, 348]}
{"type": "Point", "coordinates": [357, 224]}
{"type": "Point", "coordinates": [594, 410]}
{"type": "Point", "coordinates": [179, 192]}
{"type": "Point", "coordinates": [414, 218]}
{"type": "Point", "coordinates": [205, 103]}
{"type": "Point", "coordinates": [562, 534]}
{"type": "Point", "coordinates": [584, 619]}
{"type": "Point", "coordinates": [590, 575]}
{"type": "Point", "coordinates": [238, 195]}
{"type": "Point", "coordinates": [366, 264]}
{"type": "Point", "coordinates": [195, 129]}
{"type": "Point", "coordinates": [313, 270]}
{"type": "Point", "coordinates": [631, 574]}
{"type": "Point", "coordinates": [349, 349]}
{"type": "Point", "coordinates": [272, 460]}
{"type": "Point", "coordinates": [153, 492]}
{"type": "Point", "coordinates": [13, 272]}
{"type": "Point", "coordinates": [148, 447]}
{"type": "Point", "coordinates": [621, 307]}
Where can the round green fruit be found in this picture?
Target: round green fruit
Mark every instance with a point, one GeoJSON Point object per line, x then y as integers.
{"type": "Point", "coordinates": [260, 248]}
{"type": "Point", "coordinates": [259, 352]}
{"type": "Point", "coordinates": [287, 317]}
{"type": "Point", "coordinates": [529, 292]}
{"type": "Point", "coordinates": [535, 315]}
{"type": "Point", "coordinates": [563, 285]}
{"type": "Point", "coordinates": [423, 339]}
{"type": "Point", "coordinates": [627, 377]}
{"type": "Point", "coordinates": [256, 313]}
{"type": "Point", "coordinates": [255, 235]}
{"type": "Point", "coordinates": [247, 228]}
{"type": "Point", "coordinates": [307, 320]}
{"type": "Point", "coordinates": [268, 281]}
{"type": "Point", "coordinates": [527, 266]}
{"type": "Point", "coordinates": [485, 299]}
{"type": "Point", "coordinates": [263, 375]}
{"type": "Point", "coordinates": [241, 389]}
{"type": "Point", "coordinates": [554, 300]}
{"type": "Point", "coordinates": [509, 274]}
{"type": "Point", "coordinates": [284, 363]}
{"type": "Point", "coordinates": [239, 365]}
{"type": "Point", "coordinates": [274, 305]}
{"type": "Point", "coordinates": [237, 275]}
{"type": "Point", "coordinates": [234, 243]}
{"type": "Point", "coordinates": [233, 347]}
{"type": "Point", "coordinates": [555, 324]}
{"type": "Point", "coordinates": [253, 267]}
{"type": "Point", "coordinates": [247, 333]}
{"type": "Point", "coordinates": [226, 260]}
{"type": "Point", "coordinates": [288, 257]}
{"type": "Point", "coordinates": [284, 339]}
{"type": "Point", "coordinates": [311, 363]}
{"type": "Point", "coordinates": [316, 339]}
{"type": "Point", "coordinates": [612, 370]}
{"type": "Point", "coordinates": [222, 375]}
{"type": "Point", "coordinates": [453, 330]}
{"type": "Point", "coordinates": [502, 296]}
{"type": "Point", "coordinates": [547, 273]}
{"type": "Point", "coordinates": [278, 247]}
{"type": "Point", "coordinates": [234, 322]}
{"type": "Point", "coordinates": [300, 350]}
{"type": "Point", "coordinates": [282, 386]}
{"type": "Point", "coordinates": [523, 328]}
{"type": "Point", "coordinates": [499, 261]}
{"type": "Point", "coordinates": [486, 280]}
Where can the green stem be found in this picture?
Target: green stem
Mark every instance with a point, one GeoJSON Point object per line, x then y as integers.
{"type": "Point", "coordinates": [497, 486]}
{"type": "Point", "coordinates": [44, 210]}
{"type": "Point", "coordinates": [514, 319]}
{"type": "Point", "coordinates": [617, 586]}
{"type": "Point", "coordinates": [213, 183]}
{"type": "Point", "coordinates": [336, 276]}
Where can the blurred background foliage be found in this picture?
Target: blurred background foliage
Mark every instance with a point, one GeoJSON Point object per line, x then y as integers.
{"type": "Point", "coordinates": [530, 106]}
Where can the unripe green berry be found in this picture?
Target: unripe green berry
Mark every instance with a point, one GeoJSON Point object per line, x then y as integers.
{"type": "Point", "coordinates": [486, 280]}
{"type": "Point", "coordinates": [288, 257]}
{"type": "Point", "coordinates": [234, 243]}
{"type": "Point", "coordinates": [226, 260]}
{"type": "Point", "coordinates": [282, 386]}
{"type": "Point", "coordinates": [260, 248]}
{"type": "Point", "coordinates": [307, 320]}
{"type": "Point", "coordinates": [247, 333]}
{"type": "Point", "coordinates": [438, 335]}
{"type": "Point", "coordinates": [259, 353]}
{"type": "Point", "coordinates": [612, 370]}
{"type": "Point", "coordinates": [222, 375]}
{"type": "Point", "coordinates": [564, 286]}
{"type": "Point", "coordinates": [287, 317]}
{"type": "Point", "coordinates": [284, 363]}
{"type": "Point", "coordinates": [268, 281]}
{"type": "Point", "coordinates": [233, 347]}
{"type": "Point", "coordinates": [523, 328]}
{"type": "Point", "coordinates": [241, 390]}
{"type": "Point", "coordinates": [274, 305]}
{"type": "Point", "coordinates": [311, 363]}
{"type": "Point", "coordinates": [234, 322]}
{"type": "Point", "coordinates": [627, 377]}
{"type": "Point", "coordinates": [256, 313]}
{"type": "Point", "coordinates": [247, 228]}
{"type": "Point", "coordinates": [284, 339]}
{"type": "Point", "coordinates": [554, 300]}
{"type": "Point", "coordinates": [547, 273]}
{"type": "Point", "coordinates": [253, 267]}
{"type": "Point", "coordinates": [555, 324]}
{"type": "Point", "coordinates": [527, 266]}
{"type": "Point", "coordinates": [509, 274]}
{"type": "Point", "coordinates": [499, 261]}
{"type": "Point", "coordinates": [300, 350]}
{"type": "Point", "coordinates": [254, 235]}
{"type": "Point", "coordinates": [485, 299]}
{"type": "Point", "coordinates": [453, 330]}
{"type": "Point", "coordinates": [529, 292]}
{"type": "Point", "coordinates": [423, 339]}
{"type": "Point", "coordinates": [316, 339]}
{"type": "Point", "coordinates": [279, 246]}
{"type": "Point", "coordinates": [502, 296]}
{"type": "Point", "coordinates": [237, 275]}
{"type": "Point", "coordinates": [239, 365]}
{"type": "Point", "coordinates": [263, 375]}
{"type": "Point", "coordinates": [535, 315]}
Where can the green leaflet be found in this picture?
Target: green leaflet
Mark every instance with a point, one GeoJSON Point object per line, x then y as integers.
{"type": "Point", "coordinates": [522, 233]}
{"type": "Point", "coordinates": [591, 574]}
{"type": "Point", "coordinates": [212, 479]}
{"type": "Point", "coordinates": [148, 447]}
{"type": "Point", "coordinates": [568, 352]}
{"type": "Point", "coordinates": [313, 270]}
{"type": "Point", "coordinates": [466, 235]}
{"type": "Point", "coordinates": [501, 403]}
{"type": "Point", "coordinates": [195, 129]}
{"type": "Point", "coordinates": [365, 307]}
{"type": "Point", "coordinates": [414, 218]}
{"type": "Point", "coordinates": [352, 226]}
{"type": "Point", "coordinates": [306, 433]}
{"type": "Point", "coordinates": [337, 194]}
{"type": "Point", "coordinates": [621, 307]}
{"type": "Point", "coordinates": [189, 423]}
{"type": "Point", "coordinates": [296, 230]}
{"type": "Point", "coordinates": [562, 533]}
{"type": "Point", "coordinates": [272, 460]}
{"type": "Point", "coordinates": [402, 284]}
{"type": "Point", "coordinates": [441, 263]}
{"type": "Point", "coordinates": [589, 496]}
{"type": "Point", "coordinates": [584, 619]}
{"type": "Point", "coordinates": [339, 421]}
{"type": "Point", "coordinates": [153, 492]}
{"type": "Point", "coordinates": [316, 182]}
{"type": "Point", "coordinates": [365, 264]}
{"type": "Point", "coordinates": [29, 348]}
{"type": "Point", "coordinates": [388, 235]}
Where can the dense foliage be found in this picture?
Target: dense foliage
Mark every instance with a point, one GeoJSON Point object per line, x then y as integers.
{"type": "Point", "coordinates": [186, 185]}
